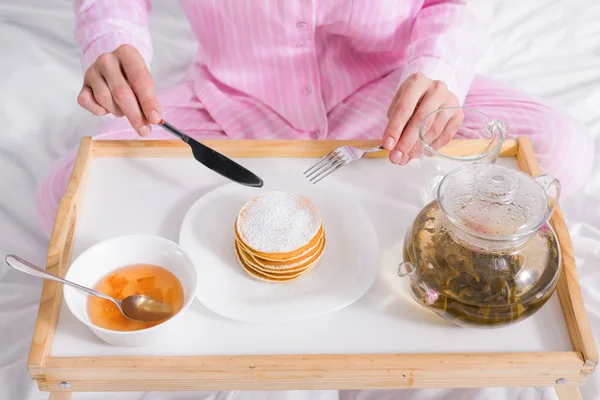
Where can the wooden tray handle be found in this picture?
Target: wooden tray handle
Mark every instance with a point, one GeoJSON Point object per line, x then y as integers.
{"type": "Point", "coordinates": [569, 291]}
{"type": "Point", "coordinates": [57, 262]}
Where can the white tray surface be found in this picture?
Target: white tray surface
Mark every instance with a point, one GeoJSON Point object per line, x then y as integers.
{"type": "Point", "coordinates": [148, 195]}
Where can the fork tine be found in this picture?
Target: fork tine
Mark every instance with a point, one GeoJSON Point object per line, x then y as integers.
{"type": "Point", "coordinates": [327, 164]}
{"type": "Point", "coordinates": [321, 161]}
{"type": "Point", "coordinates": [333, 167]}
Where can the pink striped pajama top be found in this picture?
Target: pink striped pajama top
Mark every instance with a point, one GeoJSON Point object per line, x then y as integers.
{"type": "Point", "coordinates": [296, 60]}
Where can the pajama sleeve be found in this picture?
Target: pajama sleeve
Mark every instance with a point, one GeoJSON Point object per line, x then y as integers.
{"type": "Point", "coordinates": [445, 43]}
{"type": "Point", "coordinates": [102, 26]}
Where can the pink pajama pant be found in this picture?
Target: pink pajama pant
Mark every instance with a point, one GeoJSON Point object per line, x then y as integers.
{"type": "Point", "coordinates": [563, 146]}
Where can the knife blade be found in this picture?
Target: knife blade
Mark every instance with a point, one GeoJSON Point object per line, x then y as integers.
{"type": "Point", "coordinates": [216, 161]}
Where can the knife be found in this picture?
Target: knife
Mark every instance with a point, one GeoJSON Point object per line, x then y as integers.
{"type": "Point", "coordinates": [216, 161]}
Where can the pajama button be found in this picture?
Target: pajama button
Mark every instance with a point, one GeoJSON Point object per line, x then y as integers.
{"type": "Point", "coordinates": [301, 44]}
{"type": "Point", "coordinates": [307, 90]}
{"type": "Point", "coordinates": [301, 25]}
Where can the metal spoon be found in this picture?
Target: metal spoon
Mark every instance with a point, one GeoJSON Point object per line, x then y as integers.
{"type": "Point", "coordinates": [137, 307]}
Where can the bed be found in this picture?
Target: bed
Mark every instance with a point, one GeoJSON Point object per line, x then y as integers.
{"type": "Point", "coordinates": [550, 48]}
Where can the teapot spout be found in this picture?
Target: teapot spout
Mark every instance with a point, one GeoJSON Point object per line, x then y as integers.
{"type": "Point", "coordinates": [419, 289]}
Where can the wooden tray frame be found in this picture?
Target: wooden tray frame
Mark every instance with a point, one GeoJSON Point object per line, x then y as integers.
{"type": "Point", "coordinates": [564, 370]}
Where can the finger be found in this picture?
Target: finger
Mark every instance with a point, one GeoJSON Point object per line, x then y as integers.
{"type": "Point", "coordinates": [101, 92]}
{"type": "Point", "coordinates": [425, 118]}
{"type": "Point", "coordinates": [427, 126]}
{"type": "Point", "coordinates": [124, 96]}
{"type": "Point", "coordinates": [392, 105]}
{"type": "Point", "coordinates": [436, 127]}
{"type": "Point", "coordinates": [410, 135]}
{"type": "Point", "coordinates": [141, 82]}
{"type": "Point", "coordinates": [86, 100]}
{"type": "Point", "coordinates": [449, 131]}
{"type": "Point", "coordinates": [409, 94]}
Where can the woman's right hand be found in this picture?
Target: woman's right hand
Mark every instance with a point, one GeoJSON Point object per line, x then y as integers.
{"type": "Point", "coordinates": [119, 83]}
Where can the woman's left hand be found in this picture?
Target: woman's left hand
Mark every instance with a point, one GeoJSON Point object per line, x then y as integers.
{"type": "Point", "coordinates": [418, 96]}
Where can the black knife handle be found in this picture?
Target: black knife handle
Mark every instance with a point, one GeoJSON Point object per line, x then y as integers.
{"type": "Point", "coordinates": [174, 131]}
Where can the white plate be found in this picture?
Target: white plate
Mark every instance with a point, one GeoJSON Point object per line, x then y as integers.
{"type": "Point", "coordinates": [346, 271]}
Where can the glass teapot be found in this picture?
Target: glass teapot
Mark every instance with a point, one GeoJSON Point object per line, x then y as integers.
{"type": "Point", "coordinates": [483, 254]}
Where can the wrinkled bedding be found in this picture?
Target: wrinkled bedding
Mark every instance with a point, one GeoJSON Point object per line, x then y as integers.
{"type": "Point", "coordinates": [550, 48]}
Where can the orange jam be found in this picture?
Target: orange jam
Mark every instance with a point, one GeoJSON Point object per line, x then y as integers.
{"type": "Point", "coordinates": [145, 279]}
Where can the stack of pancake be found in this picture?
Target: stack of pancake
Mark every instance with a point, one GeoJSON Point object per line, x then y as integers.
{"type": "Point", "coordinates": [279, 236]}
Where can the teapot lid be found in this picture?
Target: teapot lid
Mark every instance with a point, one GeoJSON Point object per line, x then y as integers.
{"type": "Point", "coordinates": [496, 202]}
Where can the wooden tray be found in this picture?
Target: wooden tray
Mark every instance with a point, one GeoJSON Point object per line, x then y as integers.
{"type": "Point", "coordinates": [565, 370]}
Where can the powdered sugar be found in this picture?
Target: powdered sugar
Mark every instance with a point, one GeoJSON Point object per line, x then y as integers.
{"type": "Point", "coordinates": [278, 222]}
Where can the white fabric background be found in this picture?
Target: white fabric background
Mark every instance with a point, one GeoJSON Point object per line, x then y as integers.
{"type": "Point", "coordinates": [547, 47]}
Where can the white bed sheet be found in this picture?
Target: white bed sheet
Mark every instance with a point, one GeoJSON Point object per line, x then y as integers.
{"type": "Point", "coordinates": [549, 48]}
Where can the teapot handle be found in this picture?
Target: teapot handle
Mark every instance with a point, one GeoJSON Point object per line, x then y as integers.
{"type": "Point", "coordinates": [547, 182]}
{"type": "Point", "coordinates": [499, 131]}
{"type": "Point", "coordinates": [502, 126]}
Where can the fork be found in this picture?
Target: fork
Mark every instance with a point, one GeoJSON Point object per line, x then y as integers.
{"type": "Point", "coordinates": [335, 160]}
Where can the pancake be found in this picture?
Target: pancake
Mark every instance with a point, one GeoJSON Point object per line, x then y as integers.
{"type": "Point", "coordinates": [266, 274]}
{"type": "Point", "coordinates": [278, 225]}
{"type": "Point", "coordinates": [293, 263]}
{"type": "Point", "coordinates": [273, 278]}
{"type": "Point", "coordinates": [279, 236]}
{"type": "Point", "coordinates": [279, 259]}
{"type": "Point", "coordinates": [258, 265]}
{"type": "Point", "coordinates": [293, 255]}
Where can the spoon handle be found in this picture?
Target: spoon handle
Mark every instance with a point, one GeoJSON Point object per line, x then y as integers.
{"type": "Point", "coordinates": [22, 265]}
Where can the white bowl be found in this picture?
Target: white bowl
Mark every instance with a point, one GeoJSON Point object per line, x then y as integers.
{"type": "Point", "coordinates": [105, 257]}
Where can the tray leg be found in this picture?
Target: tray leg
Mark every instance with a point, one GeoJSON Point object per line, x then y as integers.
{"type": "Point", "coordinates": [568, 392]}
{"type": "Point", "coordinates": [63, 396]}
